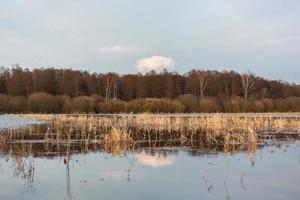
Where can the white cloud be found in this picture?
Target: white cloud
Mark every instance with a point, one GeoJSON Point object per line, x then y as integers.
{"type": "Point", "coordinates": [114, 49]}
{"type": "Point", "coordinates": [155, 63]}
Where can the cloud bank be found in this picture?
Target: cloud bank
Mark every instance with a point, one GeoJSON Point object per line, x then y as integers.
{"type": "Point", "coordinates": [114, 49]}
{"type": "Point", "coordinates": [156, 63]}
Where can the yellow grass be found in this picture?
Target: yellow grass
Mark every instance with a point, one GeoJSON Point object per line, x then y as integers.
{"type": "Point", "coordinates": [216, 128]}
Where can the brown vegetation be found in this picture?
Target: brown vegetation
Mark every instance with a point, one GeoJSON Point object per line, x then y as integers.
{"type": "Point", "coordinates": [213, 129]}
{"type": "Point", "coordinates": [45, 103]}
{"type": "Point", "coordinates": [64, 134]}
{"type": "Point", "coordinates": [70, 91]}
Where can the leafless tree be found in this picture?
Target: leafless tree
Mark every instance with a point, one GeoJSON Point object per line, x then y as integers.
{"type": "Point", "coordinates": [115, 89]}
{"type": "Point", "coordinates": [108, 88]}
{"type": "Point", "coordinates": [248, 84]}
{"type": "Point", "coordinates": [111, 87]}
{"type": "Point", "coordinates": [202, 83]}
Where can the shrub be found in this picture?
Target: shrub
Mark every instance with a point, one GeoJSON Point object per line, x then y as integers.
{"type": "Point", "coordinates": [280, 105]}
{"type": "Point", "coordinates": [84, 104]}
{"type": "Point", "coordinates": [155, 105]}
{"type": "Point", "coordinates": [3, 103]}
{"type": "Point", "coordinates": [64, 104]}
{"type": "Point", "coordinates": [17, 104]}
{"type": "Point", "coordinates": [113, 106]}
{"type": "Point", "coordinates": [234, 105]}
{"type": "Point", "coordinates": [257, 106]}
{"type": "Point", "coordinates": [135, 106]}
{"type": "Point", "coordinates": [189, 101]}
{"type": "Point", "coordinates": [42, 103]}
{"type": "Point", "coordinates": [293, 104]}
{"type": "Point", "coordinates": [175, 106]}
{"type": "Point", "coordinates": [268, 105]}
{"type": "Point", "coordinates": [208, 105]}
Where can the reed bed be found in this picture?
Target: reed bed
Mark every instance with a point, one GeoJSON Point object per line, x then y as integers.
{"type": "Point", "coordinates": [65, 135]}
{"type": "Point", "coordinates": [215, 129]}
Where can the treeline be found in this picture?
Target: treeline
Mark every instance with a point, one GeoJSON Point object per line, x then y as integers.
{"type": "Point", "coordinates": [53, 90]}
{"type": "Point", "coordinates": [45, 103]}
{"type": "Point", "coordinates": [17, 81]}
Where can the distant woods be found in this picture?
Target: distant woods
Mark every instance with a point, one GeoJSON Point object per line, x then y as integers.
{"type": "Point", "coordinates": [71, 91]}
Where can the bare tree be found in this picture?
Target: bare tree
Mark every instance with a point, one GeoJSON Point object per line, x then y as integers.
{"type": "Point", "coordinates": [111, 87]}
{"type": "Point", "coordinates": [115, 89]}
{"type": "Point", "coordinates": [248, 84]}
{"type": "Point", "coordinates": [202, 83]}
{"type": "Point", "coordinates": [107, 89]}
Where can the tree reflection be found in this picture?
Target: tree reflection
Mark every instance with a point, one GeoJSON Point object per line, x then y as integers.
{"type": "Point", "coordinates": [23, 166]}
{"type": "Point", "coordinates": [68, 179]}
{"type": "Point", "coordinates": [24, 169]}
{"type": "Point", "coordinates": [68, 175]}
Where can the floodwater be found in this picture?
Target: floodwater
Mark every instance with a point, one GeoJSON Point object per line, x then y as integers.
{"type": "Point", "coordinates": [10, 121]}
{"type": "Point", "coordinates": [271, 171]}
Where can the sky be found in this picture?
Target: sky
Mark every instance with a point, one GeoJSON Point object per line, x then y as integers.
{"type": "Point", "coordinates": [130, 36]}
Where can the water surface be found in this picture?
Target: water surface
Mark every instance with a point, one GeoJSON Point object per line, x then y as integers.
{"type": "Point", "coordinates": [11, 121]}
{"type": "Point", "coordinates": [39, 170]}
{"type": "Point", "coordinates": [272, 172]}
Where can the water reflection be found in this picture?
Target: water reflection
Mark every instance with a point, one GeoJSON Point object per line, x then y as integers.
{"type": "Point", "coordinates": [68, 179]}
{"type": "Point", "coordinates": [23, 168]}
{"type": "Point", "coordinates": [68, 176]}
{"type": "Point", "coordinates": [155, 159]}
{"type": "Point", "coordinates": [114, 174]}
{"type": "Point", "coordinates": [194, 172]}
{"type": "Point", "coordinates": [34, 168]}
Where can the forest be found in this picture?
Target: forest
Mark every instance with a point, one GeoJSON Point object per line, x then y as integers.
{"type": "Point", "coordinates": [53, 90]}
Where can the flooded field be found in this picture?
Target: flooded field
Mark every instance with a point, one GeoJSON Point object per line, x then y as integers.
{"type": "Point", "coordinates": [88, 158]}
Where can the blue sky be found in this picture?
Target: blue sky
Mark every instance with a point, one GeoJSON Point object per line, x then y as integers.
{"type": "Point", "coordinates": [127, 36]}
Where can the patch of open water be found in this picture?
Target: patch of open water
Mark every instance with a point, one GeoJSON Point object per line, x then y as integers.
{"type": "Point", "coordinates": [10, 121]}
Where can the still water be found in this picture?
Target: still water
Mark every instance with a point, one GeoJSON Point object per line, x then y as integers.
{"type": "Point", "coordinates": [12, 121]}
{"type": "Point", "coordinates": [271, 172]}
{"type": "Point", "coordinates": [33, 170]}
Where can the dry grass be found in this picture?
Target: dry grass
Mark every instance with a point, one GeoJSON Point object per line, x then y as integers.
{"type": "Point", "coordinates": [215, 125]}
{"type": "Point", "coordinates": [207, 130]}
